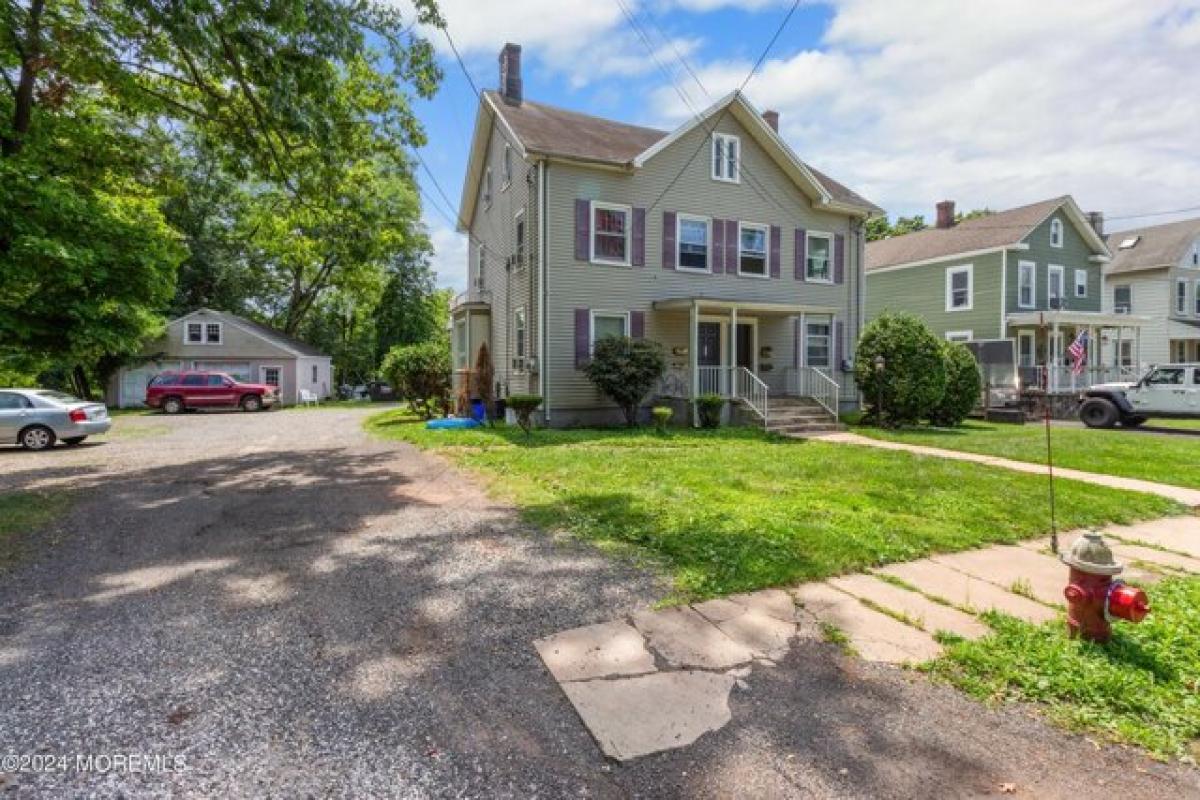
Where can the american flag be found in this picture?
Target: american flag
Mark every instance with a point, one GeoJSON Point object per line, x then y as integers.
{"type": "Point", "coordinates": [1078, 352]}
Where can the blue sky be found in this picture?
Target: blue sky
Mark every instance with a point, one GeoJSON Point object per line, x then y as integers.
{"type": "Point", "coordinates": [991, 103]}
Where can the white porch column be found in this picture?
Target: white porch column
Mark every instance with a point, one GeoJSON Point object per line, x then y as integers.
{"type": "Point", "coordinates": [732, 372]}
{"type": "Point", "coordinates": [694, 357]}
{"type": "Point", "coordinates": [1054, 358]}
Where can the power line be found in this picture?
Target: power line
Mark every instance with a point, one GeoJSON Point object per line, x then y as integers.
{"type": "Point", "coordinates": [1153, 214]}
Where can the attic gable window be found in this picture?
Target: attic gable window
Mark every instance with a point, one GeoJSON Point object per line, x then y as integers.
{"type": "Point", "coordinates": [195, 333]}
{"type": "Point", "coordinates": [1056, 233]}
{"type": "Point", "coordinates": [203, 333]}
{"type": "Point", "coordinates": [726, 152]}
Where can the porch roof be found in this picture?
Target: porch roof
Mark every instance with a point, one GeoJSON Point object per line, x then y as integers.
{"type": "Point", "coordinates": [713, 303]}
{"type": "Point", "coordinates": [1026, 319]}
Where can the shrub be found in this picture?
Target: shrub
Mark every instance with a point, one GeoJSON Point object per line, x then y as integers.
{"type": "Point", "coordinates": [626, 370]}
{"type": "Point", "coordinates": [661, 416]}
{"type": "Point", "coordinates": [963, 386]}
{"type": "Point", "coordinates": [420, 374]}
{"type": "Point", "coordinates": [709, 407]}
{"type": "Point", "coordinates": [523, 405]}
{"type": "Point", "coordinates": [914, 375]}
{"type": "Point", "coordinates": [484, 379]}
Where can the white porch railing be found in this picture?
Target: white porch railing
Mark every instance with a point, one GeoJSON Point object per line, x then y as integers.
{"type": "Point", "coordinates": [814, 383]}
{"type": "Point", "coordinates": [751, 390]}
{"type": "Point", "coordinates": [1057, 379]}
{"type": "Point", "coordinates": [714, 380]}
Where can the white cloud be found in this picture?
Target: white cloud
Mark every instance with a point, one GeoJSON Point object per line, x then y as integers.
{"type": "Point", "coordinates": [450, 254]}
{"type": "Point", "coordinates": [994, 102]}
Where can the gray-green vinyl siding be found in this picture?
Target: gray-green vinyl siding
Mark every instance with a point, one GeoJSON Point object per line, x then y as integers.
{"type": "Point", "coordinates": [1074, 254]}
{"type": "Point", "coordinates": [921, 290]}
{"type": "Point", "coordinates": [765, 195]}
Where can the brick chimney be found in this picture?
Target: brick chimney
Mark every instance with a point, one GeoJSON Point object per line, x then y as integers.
{"type": "Point", "coordinates": [945, 214]}
{"type": "Point", "coordinates": [510, 73]}
{"type": "Point", "coordinates": [1096, 220]}
{"type": "Point", "coordinates": [772, 119]}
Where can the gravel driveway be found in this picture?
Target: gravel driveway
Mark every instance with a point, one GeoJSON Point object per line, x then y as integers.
{"type": "Point", "coordinates": [292, 608]}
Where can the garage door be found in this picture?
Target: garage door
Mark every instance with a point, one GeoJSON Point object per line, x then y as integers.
{"type": "Point", "coordinates": [132, 389]}
{"type": "Point", "coordinates": [238, 369]}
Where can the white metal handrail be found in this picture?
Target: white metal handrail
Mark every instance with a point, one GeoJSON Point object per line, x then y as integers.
{"type": "Point", "coordinates": [713, 380]}
{"type": "Point", "coordinates": [751, 390]}
{"type": "Point", "coordinates": [812, 382]}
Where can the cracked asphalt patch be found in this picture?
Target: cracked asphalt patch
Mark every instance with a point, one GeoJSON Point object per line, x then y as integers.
{"type": "Point", "coordinates": [300, 610]}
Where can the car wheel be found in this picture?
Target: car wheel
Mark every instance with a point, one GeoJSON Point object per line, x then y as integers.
{"type": "Point", "coordinates": [37, 437]}
{"type": "Point", "coordinates": [1098, 413]}
{"type": "Point", "coordinates": [1132, 422]}
{"type": "Point", "coordinates": [251, 402]}
{"type": "Point", "coordinates": [71, 441]}
{"type": "Point", "coordinates": [172, 405]}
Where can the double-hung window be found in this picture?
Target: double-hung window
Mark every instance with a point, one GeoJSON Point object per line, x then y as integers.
{"type": "Point", "coordinates": [195, 333]}
{"type": "Point", "coordinates": [520, 236]}
{"type": "Point", "coordinates": [726, 152]}
{"type": "Point", "coordinates": [487, 188]}
{"type": "Point", "coordinates": [817, 341]}
{"type": "Point", "coordinates": [819, 257]}
{"type": "Point", "coordinates": [1123, 299]}
{"type": "Point", "coordinates": [610, 233]}
{"type": "Point", "coordinates": [1054, 286]}
{"type": "Point", "coordinates": [1081, 283]}
{"type": "Point", "coordinates": [1180, 296]}
{"type": "Point", "coordinates": [609, 323]}
{"type": "Point", "coordinates": [752, 249]}
{"type": "Point", "coordinates": [959, 288]}
{"type": "Point", "coordinates": [203, 333]}
{"type": "Point", "coordinates": [480, 263]}
{"type": "Point", "coordinates": [1056, 233]}
{"type": "Point", "coordinates": [1026, 284]}
{"type": "Point", "coordinates": [508, 169]}
{"type": "Point", "coordinates": [693, 238]}
{"type": "Point", "coordinates": [519, 339]}
{"type": "Point", "coordinates": [1196, 298]}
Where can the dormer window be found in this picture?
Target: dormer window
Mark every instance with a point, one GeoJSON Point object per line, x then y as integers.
{"type": "Point", "coordinates": [726, 151]}
{"type": "Point", "coordinates": [1056, 233]}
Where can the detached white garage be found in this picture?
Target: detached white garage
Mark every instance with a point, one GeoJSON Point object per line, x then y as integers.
{"type": "Point", "coordinates": [213, 341]}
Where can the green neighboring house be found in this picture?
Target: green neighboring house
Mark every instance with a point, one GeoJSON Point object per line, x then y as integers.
{"type": "Point", "coordinates": [1031, 275]}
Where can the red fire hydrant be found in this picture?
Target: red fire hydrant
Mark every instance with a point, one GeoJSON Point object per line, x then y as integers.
{"type": "Point", "coordinates": [1094, 598]}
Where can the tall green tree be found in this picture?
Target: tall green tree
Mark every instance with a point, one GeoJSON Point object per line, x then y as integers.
{"type": "Point", "coordinates": [409, 312]}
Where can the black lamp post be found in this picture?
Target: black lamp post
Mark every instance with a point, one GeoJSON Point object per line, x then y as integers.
{"type": "Point", "coordinates": [880, 363]}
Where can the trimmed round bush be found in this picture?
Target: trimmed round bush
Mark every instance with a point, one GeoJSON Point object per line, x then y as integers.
{"type": "Point", "coordinates": [420, 374]}
{"type": "Point", "coordinates": [523, 405]}
{"type": "Point", "coordinates": [626, 370]}
{"type": "Point", "coordinates": [914, 374]}
{"type": "Point", "coordinates": [661, 416]}
{"type": "Point", "coordinates": [963, 386]}
{"type": "Point", "coordinates": [709, 407]}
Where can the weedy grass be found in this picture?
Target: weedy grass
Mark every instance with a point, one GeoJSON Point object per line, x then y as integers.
{"type": "Point", "coordinates": [22, 513]}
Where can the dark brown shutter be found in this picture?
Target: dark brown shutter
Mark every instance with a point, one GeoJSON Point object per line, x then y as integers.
{"type": "Point", "coordinates": [776, 244]}
{"type": "Point", "coordinates": [731, 246]}
{"type": "Point", "coordinates": [668, 240]}
{"type": "Point", "coordinates": [639, 237]}
{"type": "Point", "coordinates": [716, 247]}
{"type": "Point", "coordinates": [801, 252]}
{"type": "Point", "coordinates": [583, 212]}
{"type": "Point", "coordinates": [838, 331]}
{"type": "Point", "coordinates": [583, 336]}
{"type": "Point", "coordinates": [637, 324]}
{"type": "Point", "coordinates": [839, 259]}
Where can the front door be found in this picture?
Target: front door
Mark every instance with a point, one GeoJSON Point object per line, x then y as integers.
{"type": "Point", "coordinates": [709, 344]}
{"type": "Point", "coordinates": [745, 346]}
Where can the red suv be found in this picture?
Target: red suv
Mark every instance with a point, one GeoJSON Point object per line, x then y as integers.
{"type": "Point", "coordinates": [178, 391]}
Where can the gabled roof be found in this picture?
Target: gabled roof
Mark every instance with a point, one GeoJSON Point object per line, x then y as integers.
{"type": "Point", "coordinates": [537, 129]}
{"type": "Point", "coordinates": [275, 337]}
{"type": "Point", "coordinates": [1157, 246]}
{"type": "Point", "coordinates": [995, 231]}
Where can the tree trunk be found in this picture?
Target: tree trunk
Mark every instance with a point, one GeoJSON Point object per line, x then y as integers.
{"type": "Point", "coordinates": [31, 57]}
{"type": "Point", "coordinates": [82, 386]}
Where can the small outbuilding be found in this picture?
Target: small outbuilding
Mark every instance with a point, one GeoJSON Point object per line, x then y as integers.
{"type": "Point", "coordinates": [219, 342]}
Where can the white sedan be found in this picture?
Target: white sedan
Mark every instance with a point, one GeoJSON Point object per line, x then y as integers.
{"type": "Point", "coordinates": [37, 418]}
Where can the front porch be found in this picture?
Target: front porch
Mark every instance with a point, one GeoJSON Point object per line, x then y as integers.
{"type": "Point", "coordinates": [775, 362]}
{"type": "Point", "coordinates": [1044, 337]}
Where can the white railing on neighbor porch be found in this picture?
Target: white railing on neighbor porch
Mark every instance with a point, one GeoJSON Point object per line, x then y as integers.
{"type": "Point", "coordinates": [713, 380]}
{"type": "Point", "coordinates": [751, 390]}
{"type": "Point", "coordinates": [814, 383]}
{"type": "Point", "coordinates": [1060, 379]}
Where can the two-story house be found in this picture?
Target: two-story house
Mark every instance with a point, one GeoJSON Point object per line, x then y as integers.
{"type": "Point", "coordinates": [1155, 274]}
{"type": "Point", "coordinates": [1032, 276]}
{"type": "Point", "coordinates": [714, 239]}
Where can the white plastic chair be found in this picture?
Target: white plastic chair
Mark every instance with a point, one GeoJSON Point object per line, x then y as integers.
{"type": "Point", "coordinates": [308, 398]}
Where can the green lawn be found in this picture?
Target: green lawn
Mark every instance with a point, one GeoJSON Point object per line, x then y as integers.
{"type": "Point", "coordinates": [734, 509]}
{"type": "Point", "coordinates": [20, 513]}
{"type": "Point", "coordinates": [1165, 459]}
{"type": "Point", "coordinates": [1181, 424]}
{"type": "Point", "coordinates": [1141, 689]}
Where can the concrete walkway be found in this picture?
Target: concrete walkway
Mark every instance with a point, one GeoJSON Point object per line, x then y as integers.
{"type": "Point", "coordinates": [1188, 497]}
{"type": "Point", "coordinates": [661, 679]}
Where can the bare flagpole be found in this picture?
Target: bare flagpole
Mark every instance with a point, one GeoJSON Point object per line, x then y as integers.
{"type": "Point", "coordinates": [1049, 450]}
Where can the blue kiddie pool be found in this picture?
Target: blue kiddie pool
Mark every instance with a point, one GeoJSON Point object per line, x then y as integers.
{"type": "Point", "coordinates": [452, 423]}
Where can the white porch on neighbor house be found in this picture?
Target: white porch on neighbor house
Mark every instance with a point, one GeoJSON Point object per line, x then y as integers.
{"type": "Point", "coordinates": [748, 352]}
{"type": "Point", "coordinates": [1044, 337]}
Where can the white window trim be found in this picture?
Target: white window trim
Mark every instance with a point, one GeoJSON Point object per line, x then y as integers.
{"type": "Point", "coordinates": [463, 353]}
{"type": "Point", "coordinates": [1032, 265]}
{"type": "Point", "coordinates": [960, 336]}
{"type": "Point", "coordinates": [1032, 339]}
{"type": "Point", "coordinates": [969, 269]}
{"type": "Point", "coordinates": [766, 229]}
{"type": "Point", "coordinates": [817, 235]}
{"type": "Point", "coordinates": [1060, 271]}
{"type": "Point", "coordinates": [1081, 284]}
{"type": "Point", "coordinates": [725, 158]}
{"type": "Point", "coordinates": [600, 312]}
{"type": "Point", "coordinates": [507, 163]}
{"type": "Point", "coordinates": [480, 261]}
{"type": "Point", "coordinates": [187, 332]}
{"type": "Point", "coordinates": [1181, 298]}
{"type": "Point", "coordinates": [204, 340]}
{"type": "Point", "coordinates": [488, 188]}
{"type": "Point", "coordinates": [818, 320]}
{"type": "Point", "coordinates": [522, 360]}
{"type": "Point", "coordinates": [708, 258]}
{"type": "Point", "coordinates": [1056, 225]}
{"type": "Point", "coordinates": [262, 374]}
{"type": "Point", "coordinates": [628, 210]}
{"type": "Point", "coordinates": [1116, 306]}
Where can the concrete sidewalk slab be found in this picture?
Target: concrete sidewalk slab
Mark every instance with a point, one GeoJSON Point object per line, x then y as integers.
{"type": "Point", "coordinates": [1159, 558]}
{"type": "Point", "coordinates": [686, 639]}
{"type": "Point", "coordinates": [873, 635]}
{"type": "Point", "coordinates": [931, 616]}
{"type": "Point", "coordinates": [1133, 572]}
{"type": "Point", "coordinates": [631, 717]}
{"type": "Point", "coordinates": [1013, 568]}
{"type": "Point", "coordinates": [1181, 534]}
{"type": "Point", "coordinates": [595, 651]}
{"type": "Point", "coordinates": [964, 591]}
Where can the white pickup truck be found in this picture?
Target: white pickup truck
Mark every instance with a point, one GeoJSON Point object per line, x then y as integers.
{"type": "Point", "coordinates": [1171, 390]}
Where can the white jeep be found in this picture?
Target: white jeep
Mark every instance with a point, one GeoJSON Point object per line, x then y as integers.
{"type": "Point", "coordinates": [1171, 390]}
